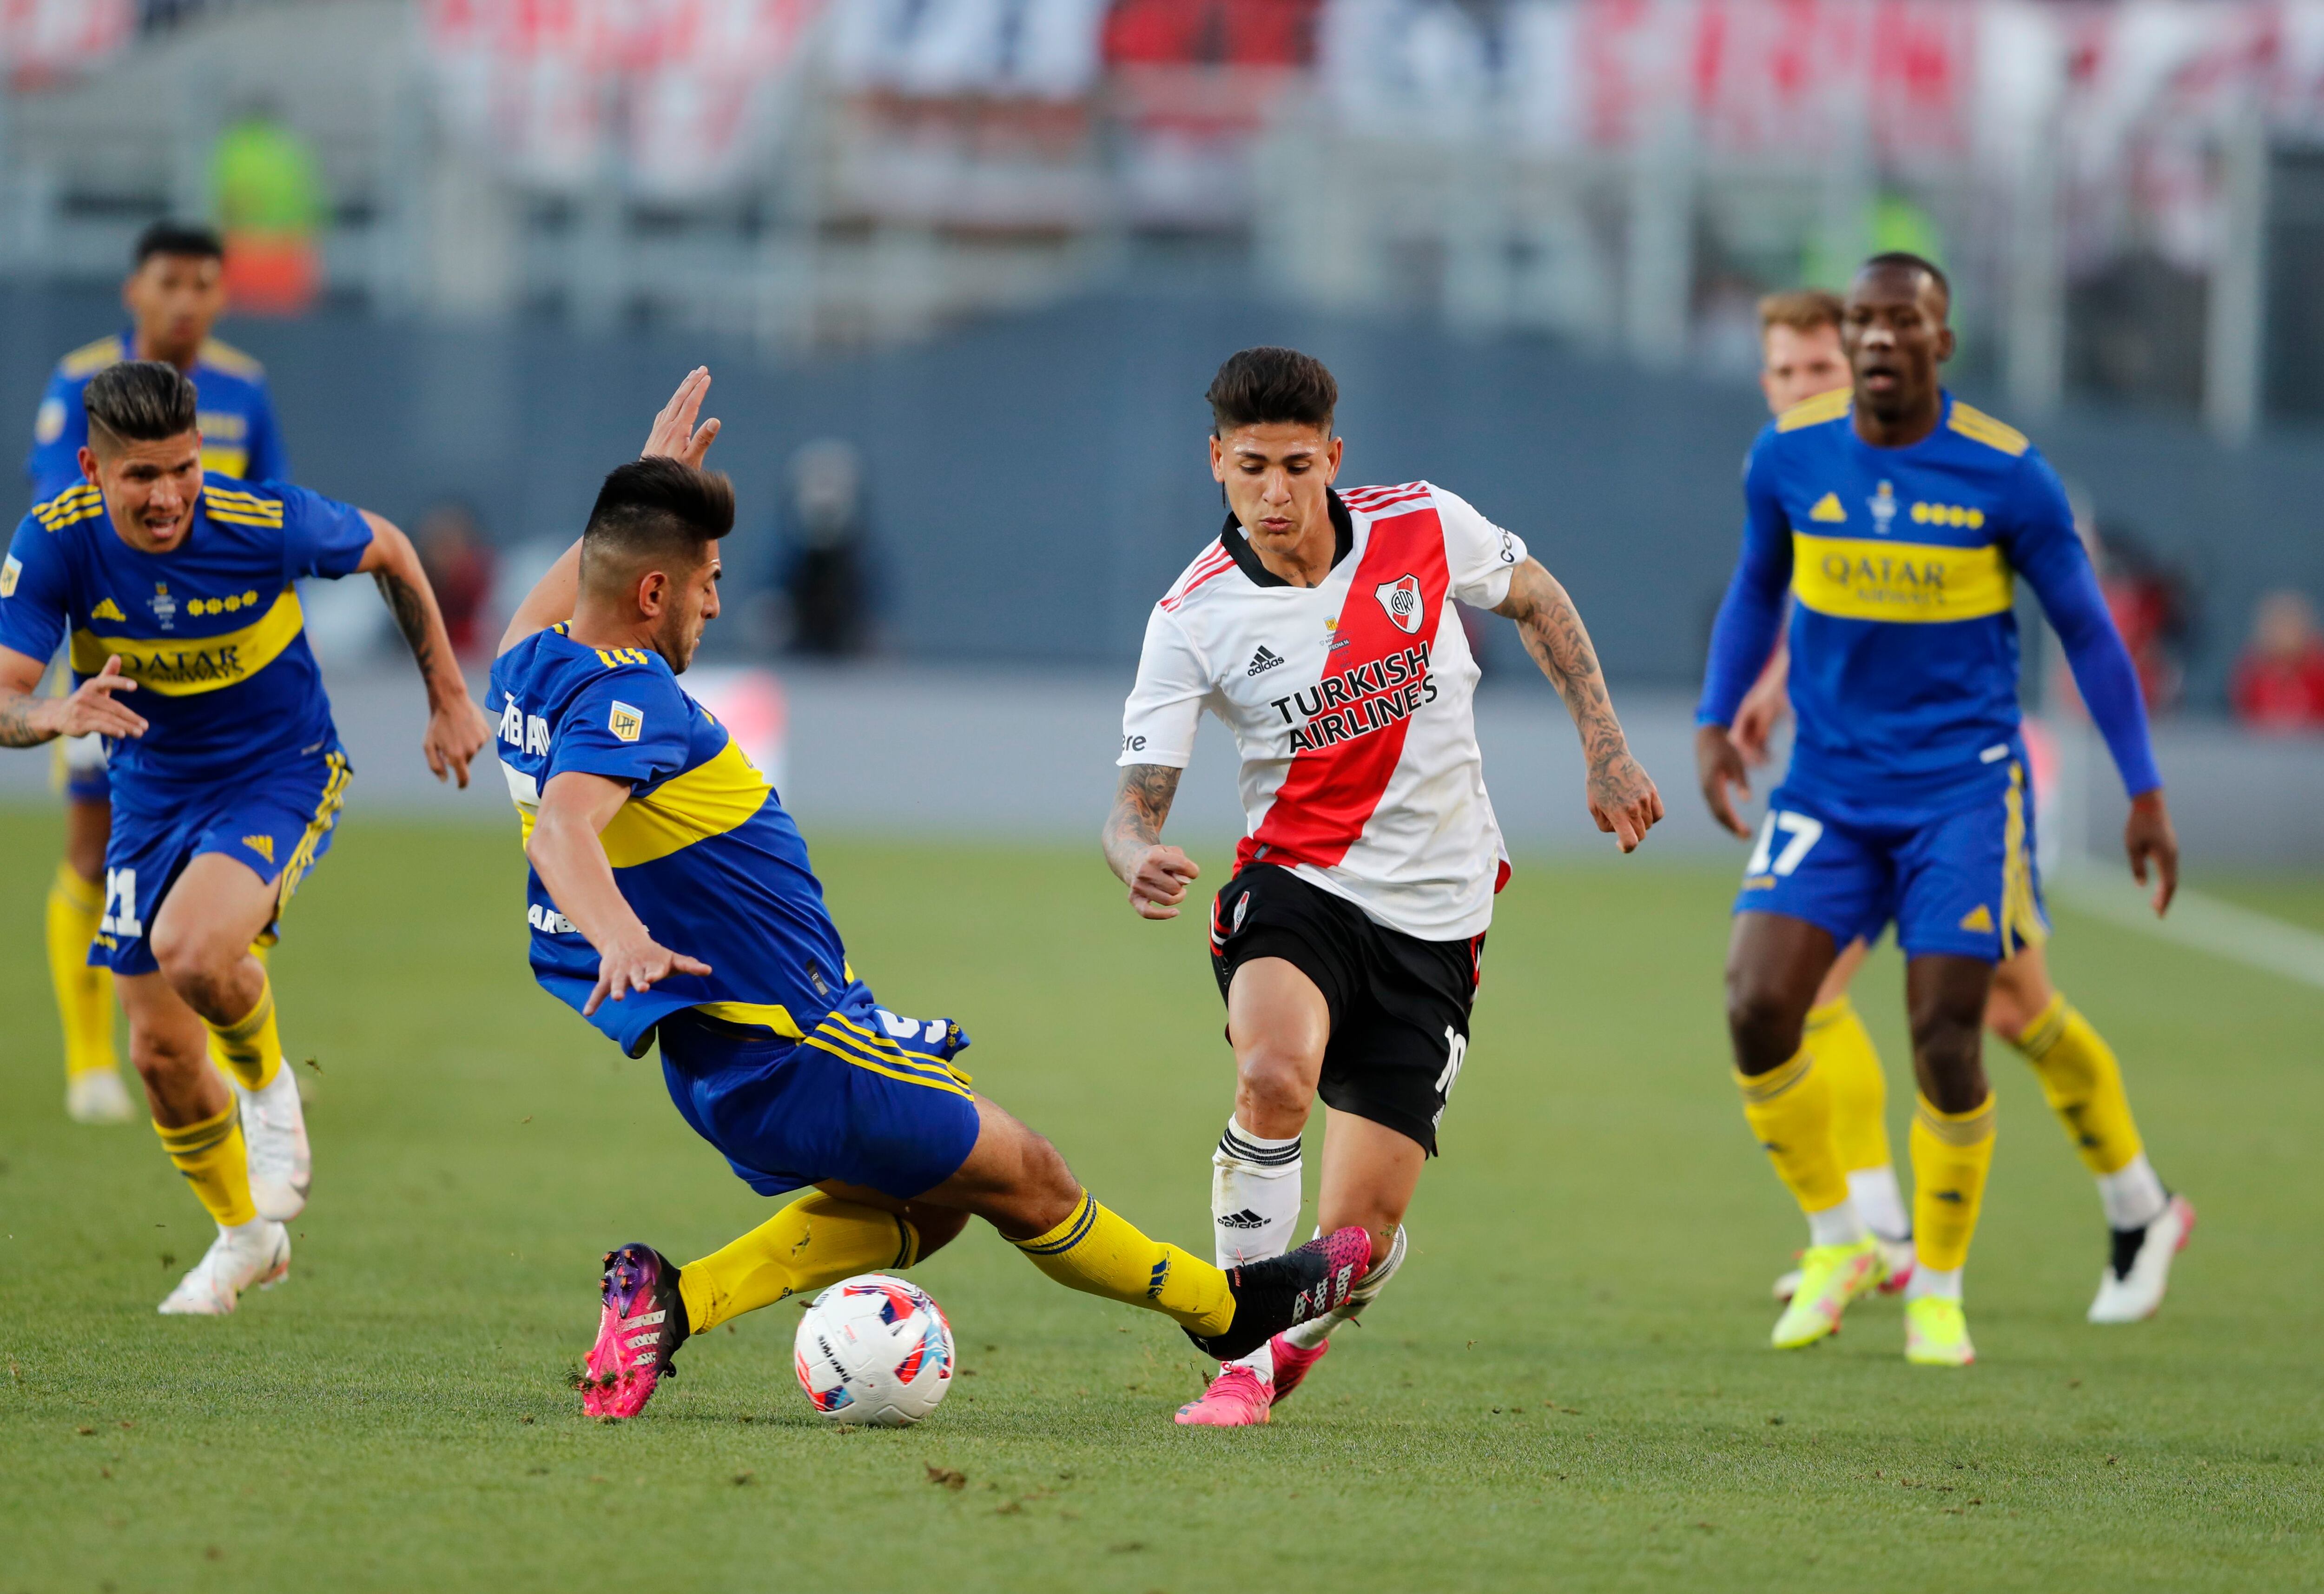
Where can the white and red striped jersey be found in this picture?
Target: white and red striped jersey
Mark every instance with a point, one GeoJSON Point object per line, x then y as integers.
{"type": "Point", "coordinates": [1351, 703]}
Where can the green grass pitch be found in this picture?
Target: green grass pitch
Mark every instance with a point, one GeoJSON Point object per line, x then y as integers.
{"type": "Point", "coordinates": [1568, 1389]}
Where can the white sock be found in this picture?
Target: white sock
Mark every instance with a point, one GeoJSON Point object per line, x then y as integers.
{"type": "Point", "coordinates": [1838, 1225]}
{"type": "Point", "coordinates": [1928, 1281]}
{"type": "Point", "coordinates": [1307, 1335]}
{"type": "Point", "coordinates": [2133, 1194]}
{"type": "Point", "coordinates": [1879, 1202]}
{"type": "Point", "coordinates": [247, 1234]}
{"type": "Point", "coordinates": [1254, 1207]}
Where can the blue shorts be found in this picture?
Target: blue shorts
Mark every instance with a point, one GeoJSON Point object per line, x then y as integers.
{"type": "Point", "coordinates": [868, 1098]}
{"type": "Point", "coordinates": [1960, 882]}
{"type": "Point", "coordinates": [277, 821]}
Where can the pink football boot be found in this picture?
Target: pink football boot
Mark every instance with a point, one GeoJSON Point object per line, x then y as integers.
{"type": "Point", "coordinates": [642, 1326]}
{"type": "Point", "coordinates": [1237, 1398]}
{"type": "Point", "coordinates": [1291, 1364]}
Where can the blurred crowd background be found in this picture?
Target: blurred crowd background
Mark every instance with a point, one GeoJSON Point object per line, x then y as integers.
{"type": "Point", "coordinates": [962, 268]}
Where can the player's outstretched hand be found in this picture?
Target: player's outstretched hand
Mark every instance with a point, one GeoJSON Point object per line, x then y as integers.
{"type": "Point", "coordinates": [1158, 884]}
{"type": "Point", "coordinates": [637, 968]}
{"type": "Point", "coordinates": [2150, 839]}
{"type": "Point", "coordinates": [1719, 764]}
{"type": "Point", "coordinates": [94, 706]}
{"type": "Point", "coordinates": [674, 433]}
{"type": "Point", "coordinates": [457, 733]}
{"type": "Point", "coordinates": [1623, 800]}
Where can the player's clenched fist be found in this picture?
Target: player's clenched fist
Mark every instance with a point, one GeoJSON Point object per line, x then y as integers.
{"type": "Point", "coordinates": [1157, 885]}
{"type": "Point", "coordinates": [1623, 800]}
{"type": "Point", "coordinates": [93, 707]}
{"type": "Point", "coordinates": [456, 732]}
{"type": "Point", "coordinates": [638, 966]}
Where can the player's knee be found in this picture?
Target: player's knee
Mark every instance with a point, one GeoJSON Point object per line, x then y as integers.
{"type": "Point", "coordinates": [1949, 1060]}
{"type": "Point", "coordinates": [161, 1058]}
{"type": "Point", "coordinates": [1764, 1022]}
{"type": "Point", "coordinates": [1274, 1087]}
{"type": "Point", "coordinates": [938, 1227]}
{"type": "Point", "coordinates": [200, 965]}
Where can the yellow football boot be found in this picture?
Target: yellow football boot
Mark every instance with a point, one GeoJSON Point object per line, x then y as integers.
{"type": "Point", "coordinates": [1936, 1334]}
{"type": "Point", "coordinates": [1830, 1276]}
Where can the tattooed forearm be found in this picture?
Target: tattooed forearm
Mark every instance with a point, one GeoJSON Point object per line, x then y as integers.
{"type": "Point", "coordinates": [409, 608]}
{"type": "Point", "coordinates": [1139, 808]}
{"type": "Point", "coordinates": [17, 728]}
{"type": "Point", "coordinates": [1558, 642]}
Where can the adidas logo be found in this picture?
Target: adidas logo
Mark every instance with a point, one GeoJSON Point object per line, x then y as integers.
{"type": "Point", "coordinates": [1265, 659]}
{"type": "Point", "coordinates": [1245, 1219]}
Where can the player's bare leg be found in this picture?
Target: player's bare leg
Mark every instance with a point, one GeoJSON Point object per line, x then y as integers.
{"type": "Point", "coordinates": [1370, 1173]}
{"type": "Point", "coordinates": [1017, 1181]}
{"type": "Point", "coordinates": [1952, 1147]}
{"type": "Point", "coordinates": [2146, 1223]}
{"type": "Point", "coordinates": [201, 939]}
{"type": "Point", "coordinates": [85, 999]}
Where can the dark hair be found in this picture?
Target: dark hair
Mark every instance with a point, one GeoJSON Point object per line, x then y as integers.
{"type": "Point", "coordinates": [1803, 310]}
{"type": "Point", "coordinates": [177, 237]}
{"type": "Point", "coordinates": [1262, 386]}
{"type": "Point", "coordinates": [653, 509]}
{"type": "Point", "coordinates": [1906, 261]}
{"type": "Point", "coordinates": [139, 401]}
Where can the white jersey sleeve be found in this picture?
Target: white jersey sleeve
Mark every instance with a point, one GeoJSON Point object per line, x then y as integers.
{"type": "Point", "coordinates": [1478, 555]}
{"type": "Point", "coordinates": [1166, 705]}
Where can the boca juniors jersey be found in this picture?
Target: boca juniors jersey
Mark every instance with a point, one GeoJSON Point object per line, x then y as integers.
{"type": "Point", "coordinates": [704, 851]}
{"type": "Point", "coordinates": [1902, 565]}
{"type": "Point", "coordinates": [1350, 704]}
{"type": "Point", "coordinates": [236, 416]}
{"type": "Point", "coordinates": [211, 631]}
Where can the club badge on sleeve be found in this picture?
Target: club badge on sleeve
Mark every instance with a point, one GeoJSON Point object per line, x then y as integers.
{"type": "Point", "coordinates": [626, 723]}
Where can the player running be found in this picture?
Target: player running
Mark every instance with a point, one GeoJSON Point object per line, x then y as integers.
{"type": "Point", "coordinates": [175, 291]}
{"type": "Point", "coordinates": [1899, 518]}
{"type": "Point", "coordinates": [670, 898]}
{"type": "Point", "coordinates": [179, 591]}
{"type": "Point", "coordinates": [1800, 339]}
{"type": "Point", "coordinates": [1319, 628]}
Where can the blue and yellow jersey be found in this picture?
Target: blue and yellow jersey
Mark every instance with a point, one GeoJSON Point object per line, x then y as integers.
{"type": "Point", "coordinates": [211, 631]}
{"type": "Point", "coordinates": [239, 437]}
{"type": "Point", "coordinates": [703, 851]}
{"type": "Point", "coordinates": [1902, 564]}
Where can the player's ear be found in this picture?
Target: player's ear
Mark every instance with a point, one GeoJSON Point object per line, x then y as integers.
{"type": "Point", "coordinates": [86, 458]}
{"type": "Point", "coordinates": [1218, 458]}
{"type": "Point", "coordinates": [1945, 343]}
{"type": "Point", "coordinates": [652, 594]}
{"type": "Point", "coordinates": [1332, 457]}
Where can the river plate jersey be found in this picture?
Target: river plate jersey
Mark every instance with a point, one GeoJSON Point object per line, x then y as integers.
{"type": "Point", "coordinates": [703, 851]}
{"type": "Point", "coordinates": [1350, 702]}
{"type": "Point", "coordinates": [236, 416]}
{"type": "Point", "coordinates": [211, 631]}
{"type": "Point", "coordinates": [1902, 564]}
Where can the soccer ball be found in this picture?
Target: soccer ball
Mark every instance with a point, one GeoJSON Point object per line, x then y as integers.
{"type": "Point", "coordinates": [874, 1349]}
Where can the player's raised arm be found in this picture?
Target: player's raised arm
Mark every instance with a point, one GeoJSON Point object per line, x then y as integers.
{"type": "Point", "coordinates": [457, 731]}
{"type": "Point", "coordinates": [674, 433]}
{"type": "Point", "coordinates": [565, 851]}
{"type": "Point", "coordinates": [1622, 795]}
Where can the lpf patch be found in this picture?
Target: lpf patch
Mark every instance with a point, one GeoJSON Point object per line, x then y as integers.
{"type": "Point", "coordinates": [1401, 599]}
{"type": "Point", "coordinates": [9, 571]}
{"type": "Point", "coordinates": [627, 723]}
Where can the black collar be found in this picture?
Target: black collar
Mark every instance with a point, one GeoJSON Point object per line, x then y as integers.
{"type": "Point", "coordinates": [1343, 542]}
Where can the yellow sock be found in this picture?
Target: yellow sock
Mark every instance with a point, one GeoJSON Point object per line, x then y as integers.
{"type": "Point", "coordinates": [1103, 1253]}
{"type": "Point", "coordinates": [1789, 1109]}
{"type": "Point", "coordinates": [2082, 1083]}
{"type": "Point", "coordinates": [250, 1048]}
{"type": "Point", "coordinates": [1850, 1066]}
{"type": "Point", "coordinates": [815, 1240]}
{"type": "Point", "coordinates": [210, 1156]}
{"type": "Point", "coordinates": [1952, 1154]}
{"type": "Point", "coordinates": [84, 995]}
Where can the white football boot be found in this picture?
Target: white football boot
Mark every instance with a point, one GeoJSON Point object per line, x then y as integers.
{"type": "Point", "coordinates": [257, 1253]}
{"type": "Point", "coordinates": [274, 1133]}
{"type": "Point", "coordinates": [98, 1096]}
{"type": "Point", "coordinates": [2131, 1288]}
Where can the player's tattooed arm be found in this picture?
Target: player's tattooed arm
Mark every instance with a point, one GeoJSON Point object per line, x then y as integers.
{"type": "Point", "coordinates": [1156, 875]}
{"type": "Point", "coordinates": [27, 719]}
{"type": "Point", "coordinates": [457, 731]}
{"type": "Point", "coordinates": [1622, 798]}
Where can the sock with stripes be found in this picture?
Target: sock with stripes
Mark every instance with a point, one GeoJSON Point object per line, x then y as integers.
{"type": "Point", "coordinates": [1952, 1152]}
{"type": "Point", "coordinates": [2082, 1082]}
{"type": "Point", "coordinates": [210, 1154]}
{"type": "Point", "coordinates": [1254, 1207]}
{"type": "Point", "coordinates": [250, 1049]}
{"type": "Point", "coordinates": [1790, 1111]}
{"type": "Point", "coordinates": [818, 1240]}
{"type": "Point", "coordinates": [1102, 1253]}
{"type": "Point", "coordinates": [84, 994]}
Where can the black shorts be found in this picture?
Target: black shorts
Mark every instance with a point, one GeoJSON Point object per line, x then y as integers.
{"type": "Point", "coordinates": [1399, 1005]}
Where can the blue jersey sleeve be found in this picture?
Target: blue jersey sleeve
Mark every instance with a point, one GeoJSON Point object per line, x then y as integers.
{"type": "Point", "coordinates": [322, 537]}
{"type": "Point", "coordinates": [267, 461]}
{"type": "Point", "coordinates": [1752, 613]}
{"type": "Point", "coordinates": [2041, 544]}
{"type": "Point", "coordinates": [60, 427]}
{"type": "Point", "coordinates": [35, 595]}
{"type": "Point", "coordinates": [630, 723]}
